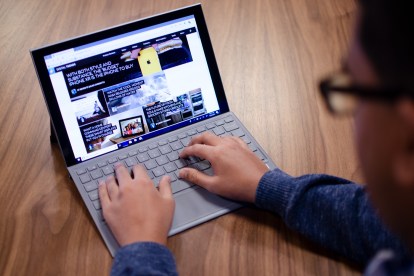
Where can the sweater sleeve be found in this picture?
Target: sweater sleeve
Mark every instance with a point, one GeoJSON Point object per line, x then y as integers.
{"type": "Point", "coordinates": [330, 211]}
{"type": "Point", "coordinates": [144, 258]}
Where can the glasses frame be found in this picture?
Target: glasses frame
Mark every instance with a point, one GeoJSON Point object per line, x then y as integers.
{"type": "Point", "coordinates": [326, 87]}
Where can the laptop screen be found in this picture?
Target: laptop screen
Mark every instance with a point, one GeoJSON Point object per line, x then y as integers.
{"type": "Point", "coordinates": [121, 87]}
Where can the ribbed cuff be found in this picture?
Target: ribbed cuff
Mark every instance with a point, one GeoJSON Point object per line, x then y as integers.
{"type": "Point", "coordinates": [274, 191]}
{"type": "Point", "coordinates": [144, 258]}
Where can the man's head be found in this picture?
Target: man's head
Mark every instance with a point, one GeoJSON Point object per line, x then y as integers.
{"type": "Point", "coordinates": [381, 56]}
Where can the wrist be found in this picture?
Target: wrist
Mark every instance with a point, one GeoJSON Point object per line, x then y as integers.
{"type": "Point", "coordinates": [143, 237]}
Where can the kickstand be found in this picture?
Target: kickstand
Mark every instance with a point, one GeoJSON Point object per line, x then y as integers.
{"type": "Point", "coordinates": [53, 139]}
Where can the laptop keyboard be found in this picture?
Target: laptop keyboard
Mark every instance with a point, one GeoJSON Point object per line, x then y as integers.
{"type": "Point", "coordinates": [161, 158]}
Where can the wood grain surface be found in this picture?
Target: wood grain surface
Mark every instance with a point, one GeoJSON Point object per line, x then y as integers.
{"type": "Point", "coordinates": [271, 54]}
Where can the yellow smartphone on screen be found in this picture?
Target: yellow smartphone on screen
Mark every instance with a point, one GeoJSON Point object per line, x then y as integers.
{"type": "Point", "coordinates": [148, 61]}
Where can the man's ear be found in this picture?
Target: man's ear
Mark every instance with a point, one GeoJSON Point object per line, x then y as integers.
{"type": "Point", "coordinates": [403, 165]}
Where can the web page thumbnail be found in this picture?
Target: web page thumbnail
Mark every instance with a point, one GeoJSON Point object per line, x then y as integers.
{"type": "Point", "coordinates": [186, 106]}
{"type": "Point", "coordinates": [131, 126]}
{"type": "Point", "coordinates": [136, 93]}
{"type": "Point", "coordinates": [90, 108]}
{"type": "Point", "coordinates": [94, 134]}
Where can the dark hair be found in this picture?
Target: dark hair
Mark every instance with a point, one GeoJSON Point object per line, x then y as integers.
{"type": "Point", "coordinates": [386, 34]}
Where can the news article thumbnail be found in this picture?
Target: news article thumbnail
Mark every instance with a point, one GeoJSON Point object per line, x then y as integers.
{"type": "Point", "coordinates": [173, 52]}
{"type": "Point", "coordinates": [95, 75]}
{"type": "Point", "coordinates": [162, 114]}
{"type": "Point", "coordinates": [94, 134]}
{"type": "Point", "coordinates": [90, 108]}
{"type": "Point", "coordinates": [131, 126]}
{"type": "Point", "coordinates": [136, 93]}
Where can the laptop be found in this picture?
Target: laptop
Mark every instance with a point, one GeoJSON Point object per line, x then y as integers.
{"type": "Point", "coordinates": [137, 93]}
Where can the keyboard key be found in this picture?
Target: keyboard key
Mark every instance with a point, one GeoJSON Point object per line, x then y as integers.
{"type": "Point", "coordinates": [162, 143]}
{"type": "Point", "coordinates": [158, 171]}
{"type": "Point", "coordinates": [93, 195]}
{"type": "Point", "coordinates": [84, 178]}
{"type": "Point", "coordinates": [219, 130]}
{"type": "Point", "coordinates": [123, 156]}
{"type": "Point", "coordinates": [112, 160]}
{"type": "Point", "coordinates": [153, 146]}
{"type": "Point", "coordinates": [133, 153]}
{"type": "Point", "coordinates": [142, 157]}
{"type": "Point", "coordinates": [173, 156]}
{"type": "Point", "coordinates": [180, 185]}
{"type": "Point", "coordinates": [193, 166]}
{"type": "Point", "coordinates": [81, 171]}
{"type": "Point", "coordinates": [157, 180]}
{"type": "Point", "coordinates": [186, 141]}
{"type": "Point", "coordinates": [231, 127]}
{"type": "Point", "coordinates": [90, 186]}
{"type": "Point", "coordinates": [131, 162]}
{"type": "Point", "coordinates": [150, 174]}
{"type": "Point", "coordinates": [203, 165]}
{"type": "Point", "coordinates": [228, 119]}
{"type": "Point", "coordinates": [162, 160]}
{"type": "Point", "coordinates": [219, 122]}
{"type": "Point", "coordinates": [192, 160]}
{"type": "Point", "coordinates": [176, 145]}
{"type": "Point", "coordinates": [102, 164]}
{"type": "Point", "coordinates": [154, 153]}
{"type": "Point", "coordinates": [92, 168]}
{"type": "Point", "coordinates": [201, 129]}
{"type": "Point", "coordinates": [180, 163]}
{"type": "Point", "coordinates": [238, 133]}
{"type": "Point", "coordinates": [191, 132]}
{"type": "Point", "coordinates": [97, 204]}
{"type": "Point", "coordinates": [143, 149]}
{"type": "Point", "coordinates": [182, 135]}
{"type": "Point", "coordinates": [172, 177]}
{"type": "Point", "coordinates": [108, 170]}
{"type": "Point", "coordinates": [96, 174]}
{"type": "Point", "coordinates": [210, 126]}
{"type": "Point", "coordinates": [119, 162]}
{"type": "Point", "coordinates": [165, 149]}
{"type": "Point", "coordinates": [170, 167]}
{"type": "Point", "coordinates": [172, 139]}
{"type": "Point", "coordinates": [150, 164]}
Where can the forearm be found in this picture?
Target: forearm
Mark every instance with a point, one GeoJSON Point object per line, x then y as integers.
{"type": "Point", "coordinates": [331, 211]}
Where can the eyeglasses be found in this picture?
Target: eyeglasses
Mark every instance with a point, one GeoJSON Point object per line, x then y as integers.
{"type": "Point", "coordinates": [342, 96]}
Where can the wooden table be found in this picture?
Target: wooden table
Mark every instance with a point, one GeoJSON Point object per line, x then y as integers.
{"type": "Point", "coordinates": [271, 54]}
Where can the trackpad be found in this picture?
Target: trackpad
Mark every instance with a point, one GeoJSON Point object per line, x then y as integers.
{"type": "Point", "coordinates": [194, 206]}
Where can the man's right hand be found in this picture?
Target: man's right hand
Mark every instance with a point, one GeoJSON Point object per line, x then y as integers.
{"type": "Point", "coordinates": [237, 170]}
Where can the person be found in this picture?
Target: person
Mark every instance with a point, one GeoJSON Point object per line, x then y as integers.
{"type": "Point", "coordinates": [97, 109]}
{"type": "Point", "coordinates": [372, 224]}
